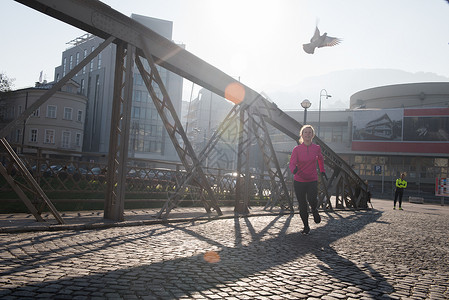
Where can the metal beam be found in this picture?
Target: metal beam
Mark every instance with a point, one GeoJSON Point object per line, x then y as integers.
{"type": "Point", "coordinates": [176, 133]}
{"type": "Point", "coordinates": [32, 184]}
{"type": "Point", "coordinates": [279, 191]}
{"type": "Point", "coordinates": [103, 21]}
{"type": "Point", "coordinates": [119, 136]}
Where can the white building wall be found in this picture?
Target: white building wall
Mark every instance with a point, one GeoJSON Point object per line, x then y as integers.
{"type": "Point", "coordinates": [41, 121]}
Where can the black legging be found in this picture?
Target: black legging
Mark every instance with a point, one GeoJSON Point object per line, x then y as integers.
{"type": "Point", "coordinates": [398, 194]}
{"type": "Point", "coordinates": [306, 192]}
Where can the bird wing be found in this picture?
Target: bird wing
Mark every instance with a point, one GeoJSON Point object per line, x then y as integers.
{"type": "Point", "coordinates": [329, 42]}
{"type": "Point", "coordinates": [316, 35]}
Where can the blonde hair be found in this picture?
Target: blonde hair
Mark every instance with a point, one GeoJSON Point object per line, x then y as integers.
{"type": "Point", "coordinates": [302, 129]}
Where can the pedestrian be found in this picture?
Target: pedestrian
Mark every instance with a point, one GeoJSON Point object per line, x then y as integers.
{"type": "Point", "coordinates": [303, 165]}
{"type": "Point", "coordinates": [401, 184]}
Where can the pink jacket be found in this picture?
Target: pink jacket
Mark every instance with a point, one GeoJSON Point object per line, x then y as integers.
{"type": "Point", "coordinates": [305, 158]}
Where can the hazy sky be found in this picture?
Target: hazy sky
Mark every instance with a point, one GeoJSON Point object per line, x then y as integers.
{"type": "Point", "coordinates": [259, 41]}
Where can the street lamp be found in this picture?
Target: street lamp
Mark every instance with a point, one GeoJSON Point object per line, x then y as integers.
{"type": "Point", "coordinates": [305, 104]}
{"type": "Point", "coordinates": [319, 110]}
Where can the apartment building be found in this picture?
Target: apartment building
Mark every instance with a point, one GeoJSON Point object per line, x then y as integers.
{"type": "Point", "coordinates": [58, 124]}
{"type": "Point", "coordinates": [148, 137]}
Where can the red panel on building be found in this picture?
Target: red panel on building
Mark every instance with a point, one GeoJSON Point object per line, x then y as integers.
{"type": "Point", "coordinates": [426, 112]}
{"type": "Point", "coordinates": [408, 147]}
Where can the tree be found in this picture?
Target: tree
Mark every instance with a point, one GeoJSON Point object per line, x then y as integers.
{"type": "Point", "coordinates": [6, 83]}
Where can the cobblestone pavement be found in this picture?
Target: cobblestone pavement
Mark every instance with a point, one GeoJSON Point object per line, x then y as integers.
{"type": "Point", "coordinates": [377, 254]}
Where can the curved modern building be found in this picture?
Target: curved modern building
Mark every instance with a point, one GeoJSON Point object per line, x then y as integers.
{"type": "Point", "coordinates": [403, 118]}
{"type": "Point", "coordinates": [403, 128]}
{"type": "Point", "coordinates": [411, 95]}
{"type": "Point", "coordinates": [389, 130]}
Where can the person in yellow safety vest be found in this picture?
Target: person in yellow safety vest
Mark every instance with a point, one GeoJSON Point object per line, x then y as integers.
{"type": "Point", "coordinates": [401, 184]}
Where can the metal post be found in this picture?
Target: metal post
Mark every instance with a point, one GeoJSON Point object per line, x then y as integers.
{"type": "Point", "coordinates": [319, 110]}
{"type": "Point", "coordinates": [383, 177]}
{"type": "Point", "coordinates": [119, 137]}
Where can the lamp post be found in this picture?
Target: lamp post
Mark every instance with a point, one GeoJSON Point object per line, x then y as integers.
{"type": "Point", "coordinates": [305, 104]}
{"type": "Point", "coordinates": [319, 110]}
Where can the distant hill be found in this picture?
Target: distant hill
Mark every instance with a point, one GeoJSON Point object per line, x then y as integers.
{"type": "Point", "coordinates": [342, 85]}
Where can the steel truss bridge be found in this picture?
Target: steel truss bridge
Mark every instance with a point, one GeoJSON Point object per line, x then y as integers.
{"type": "Point", "coordinates": [250, 118]}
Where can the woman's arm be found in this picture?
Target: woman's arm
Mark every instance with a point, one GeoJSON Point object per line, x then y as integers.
{"type": "Point", "coordinates": [293, 161]}
{"type": "Point", "coordinates": [320, 160]}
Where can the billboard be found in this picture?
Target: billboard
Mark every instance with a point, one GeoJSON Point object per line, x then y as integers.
{"type": "Point", "coordinates": [426, 128]}
{"type": "Point", "coordinates": [420, 130]}
{"type": "Point", "coordinates": [377, 125]}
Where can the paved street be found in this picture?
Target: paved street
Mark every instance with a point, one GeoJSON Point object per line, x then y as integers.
{"type": "Point", "coordinates": [377, 254]}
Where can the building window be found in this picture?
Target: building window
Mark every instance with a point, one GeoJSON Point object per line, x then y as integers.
{"type": "Point", "coordinates": [36, 113]}
{"type": "Point", "coordinates": [33, 135]}
{"type": "Point", "coordinates": [136, 112]}
{"type": "Point", "coordinates": [138, 79]}
{"type": "Point", "coordinates": [155, 146]}
{"type": "Point", "coordinates": [91, 67]}
{"type": "Point", "coordinates": [137, 95]}
{"type": "Point", "coordinates": [67, 113]}
{"type": "Point", "coordinates": [64, 66]}
{"type": "Point", "coordinates": [99, 61]}
{"type": "Point", "coordinates": [79, 116]}
{"type": "Point", "coordinates": [20, 110]}
{"type": "Point", "coordinates": [2, 112]}
{"type": "Point", "coordinates": [12, 112]}
{"type": "Point", "coordinates": [49, 136]}
{"type": "Point", "coordinates": [146, 146]}
{"type": "Point", "coordinates": [337, 138]}
{"type": "Point", "coordinates": [18, 135]}
{"type": "Point", "coordinates": [65, 139]}
{"type": "Point", "coordinates": [154, 114]}
{"type": "Point", "coordinates": [51, 111]}
{"type": "Point", "coordinates": [82, 87]}
{"type": "Point", "coordinates": [84, 56]}
{"type": "Point", "coordinates": [77, 58]}
{"type": "Point", "coordinates": [78, 139]}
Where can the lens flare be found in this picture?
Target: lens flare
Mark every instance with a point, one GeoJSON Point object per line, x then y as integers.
{"type": "Point", "coordinates": [235, 92]}
{"type": "Point", "coordinates": [211, 257]}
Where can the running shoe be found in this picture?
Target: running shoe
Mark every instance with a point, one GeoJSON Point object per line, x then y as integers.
{"type": "Point", "coordinates": [316, 216]}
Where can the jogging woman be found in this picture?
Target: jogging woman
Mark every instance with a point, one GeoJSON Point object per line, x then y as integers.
{"type": "Point", "coordinates": [303, 164]}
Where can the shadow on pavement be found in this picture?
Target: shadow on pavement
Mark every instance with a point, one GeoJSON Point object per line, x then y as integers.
{"type": "Point", "coordinates": [273, 246]}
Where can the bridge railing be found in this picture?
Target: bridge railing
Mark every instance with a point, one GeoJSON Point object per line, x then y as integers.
{"type": "Point", "coordinates": [83, 175]}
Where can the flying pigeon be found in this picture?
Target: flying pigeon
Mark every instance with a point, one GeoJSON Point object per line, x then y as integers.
{"type": "Point", "coordinates": [320, 41]}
